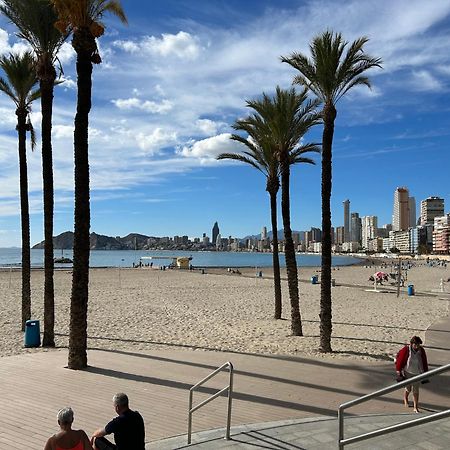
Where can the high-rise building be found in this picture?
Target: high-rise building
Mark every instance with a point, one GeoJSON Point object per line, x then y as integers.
{"type": "Point", "coordinates": [355, 230]}
{"type": "Point", "coordinates": [369, 229]}
{"type": "Point", "coordinates": [346, 204]}
{"type": "Point", "coordinates": [412, 212]}
{"type": "Point", "coordinates": [400, 218]}
{"type": "Point", "coordinates": [215, 233]}
{"type": "Point", "coordinates": [430, 208]}
{"type": "Point", "coordinates": [264, 233]}
{"type": "Point", "coordinates": [340, 235]}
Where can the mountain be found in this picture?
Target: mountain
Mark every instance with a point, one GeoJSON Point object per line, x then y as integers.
{"type": "Point", "coordinates": [99, 242]}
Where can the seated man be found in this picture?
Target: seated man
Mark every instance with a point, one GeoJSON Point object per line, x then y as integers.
{"type": "Point", "coordinates": [128, 428]}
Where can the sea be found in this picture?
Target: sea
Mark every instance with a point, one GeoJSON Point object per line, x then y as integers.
{"type": "Point", "coordinates": [11, 257]}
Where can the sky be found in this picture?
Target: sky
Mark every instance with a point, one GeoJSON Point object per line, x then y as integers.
{"type": "Point", "coordinates": [175, 79]}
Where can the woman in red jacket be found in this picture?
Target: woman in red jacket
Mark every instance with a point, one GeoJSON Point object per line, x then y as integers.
{"type": "Point", "coordinates": [411, 361]}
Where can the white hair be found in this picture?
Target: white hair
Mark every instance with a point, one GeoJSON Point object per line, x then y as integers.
{"type": "Point", "coordinates": [65, 416]}
{"type": "Point", "coordinates": [120, 400]}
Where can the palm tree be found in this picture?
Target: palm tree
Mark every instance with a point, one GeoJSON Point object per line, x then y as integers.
{"type": "Point", "coordinates": [261, 156]}
{"type": "Point", "coordinates": [282, 122]}
{"type": "Point", "coordinates": [330, 74]}
{"type": "Point", "coordinates": [19, 86]}
{"type": "Point", "coordinates": [82, 19]}
{"type": "Point", "coordinates": [35, 21]}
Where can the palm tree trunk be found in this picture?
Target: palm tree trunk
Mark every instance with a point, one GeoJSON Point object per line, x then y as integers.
{"type": "Point", "coordinates": [24, 218]}
{"type": "Point", "coordinates": [46, 86]}
{"type": "Point", "coordinates": [275, 255]}
{"type": "Point", "coordinates": [289, 251]}
{"type": "Point", "coordinates": [329, 115]}
{"type": "Point", "coordinates": [80, 280]}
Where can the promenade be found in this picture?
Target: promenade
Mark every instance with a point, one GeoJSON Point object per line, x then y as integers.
{"type": "Point", "coordinates": [267, 389]}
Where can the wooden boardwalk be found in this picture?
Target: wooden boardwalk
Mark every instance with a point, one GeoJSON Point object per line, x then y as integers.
{"type": "Point", "coordinates": [34, 386]}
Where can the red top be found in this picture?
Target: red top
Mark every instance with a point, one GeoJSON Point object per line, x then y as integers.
{"type": "Point", "coordinates": [79, 446]}
{"type": "Point", "coordinates": [403, 356]}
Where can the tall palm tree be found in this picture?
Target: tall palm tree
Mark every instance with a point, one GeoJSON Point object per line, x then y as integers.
{"type": "Point", "coordinates": [330, 74]}
{"type": "Point", "coordinates": [19, 85]}
{"type": "Point", "coordinates": [282, 122]}
{"type": "Point", "coordinates": [35, 20]}
{"type": "Point", "coordinates": [82, 19]}
{"type": "Point", "coordinates": [261, 156]}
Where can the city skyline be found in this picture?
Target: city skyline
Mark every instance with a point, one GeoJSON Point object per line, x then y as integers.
{"type": "Point", "coordinates": [173, 82]}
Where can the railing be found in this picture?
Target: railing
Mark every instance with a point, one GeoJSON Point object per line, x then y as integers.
{"type": "Point", "coordinates": [390, 429]}
{"type": "Point", "coordinates": [228, 388]}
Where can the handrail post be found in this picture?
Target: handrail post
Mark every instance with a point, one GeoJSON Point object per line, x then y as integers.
{"type": "Point", "coordinates": [190, 417]}
{"type": "Point", "coordinates": [230, 399]}
{"type": "Point", "coordinates": [341, 428]}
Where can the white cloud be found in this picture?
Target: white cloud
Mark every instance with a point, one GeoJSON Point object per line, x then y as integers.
{"type": "Point", "coordinates": [181, 45]}
{"type": "Point", "coordinates": [206, 126]}
{"type": "Point", "coordinates": [62, 131]}
{"type": "Point", "coordinates": [209, 148]}
{"type": "Point", "coordinates": [147, 105]}
{"type": "Point", "coordinates": [5, 47]}
{"type": "Point", "coordinates": [425, 81]}
{"type": "Point", "coordinates": [156, 140]}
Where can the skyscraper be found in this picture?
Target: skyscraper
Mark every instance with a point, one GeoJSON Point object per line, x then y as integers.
{"type": "Point", "coordinates": [355, 233]}
{"type": "Point", "coordinates": [430, 208]}
{"type": "Point", "coordinates": [400, 217]}
{"type": "Point", "coordinates": [346, 204]}
{"type": "Point", "coordinates": [215, 233]}
{"type": "Point", "coordinates": [369, 229]}
{"type": "Point", "coordinates": [412, 212]}
{"type": "Point", "coordinates": [264, 233]}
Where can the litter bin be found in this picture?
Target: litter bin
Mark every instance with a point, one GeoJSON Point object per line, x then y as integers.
{"type": "Point", "coordinates": [314, 279]}
{"type": "Point", "coordinates": [333, 282]}
{"type": "Point", "coordinates": [32, 333]}
{"type": "Point", "coordinates": [411, 289]}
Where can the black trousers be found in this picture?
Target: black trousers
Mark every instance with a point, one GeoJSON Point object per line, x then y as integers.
{"type": "Point", "coordinates": [102, 443]}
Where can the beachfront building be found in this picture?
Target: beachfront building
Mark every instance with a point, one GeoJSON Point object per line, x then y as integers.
{"type": "Point", "coordinates": [351, 247]}
{"type": "Point", "coordinates": [412, 212]}
{"type": "Point", "coordinates": [414, 240]}
{"type": "Point", "coordinates": [355, 231]}
{"type": "Point", "coordinates": [375, 245]}
{"type": "Point", "coordinates": [346, 204]}
{"type": "Point", "coordinates": [400, 241]}
{"type": "Point", "coordinates": [430, 208]}
{"type": "Point", "coordinates": [215, 232]}
{"type": "Point", "coordinates": [369, 230]}
{"type": "Point", "coordinates": [339, 236]}
{"type": "Point", "coordinates": [441, 235]}
{"type": "Point", "coordinates": [401, 215]}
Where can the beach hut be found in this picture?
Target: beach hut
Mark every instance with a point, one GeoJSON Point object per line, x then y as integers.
{"type": "Point", "coordinates": [183, 262]}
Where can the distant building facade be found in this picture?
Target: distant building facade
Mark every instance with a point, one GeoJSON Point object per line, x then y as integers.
{"type": "Point", "coordinates": [401, 216]}
{"type": "Point", "coordinates": [346, 204]}
{"type": "Point", "coordinates": [430, 208]}
{"type": "Point", "coordinates": [215, 233]}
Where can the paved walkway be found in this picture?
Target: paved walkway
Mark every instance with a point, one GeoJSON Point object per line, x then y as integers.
{"type": "Point", "coordinates": [267, 388]}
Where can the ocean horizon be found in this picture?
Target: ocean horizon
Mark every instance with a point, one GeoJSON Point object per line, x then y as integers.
{"type": "Point", "coordinates": [11, 257]}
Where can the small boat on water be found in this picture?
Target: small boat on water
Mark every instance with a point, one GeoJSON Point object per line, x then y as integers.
{"type": "Point", "coordinates": [62, 259]}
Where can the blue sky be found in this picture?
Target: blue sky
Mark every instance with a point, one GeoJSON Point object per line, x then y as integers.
{"type": "Point", "coordinates": [174, 80]}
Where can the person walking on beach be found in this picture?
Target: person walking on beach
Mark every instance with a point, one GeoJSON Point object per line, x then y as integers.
{"type": "Point", "coordinates": [411, 361]}
{"type": "Point", "coordinates": [128, 428]}
{"type": "Point", "coordinates": [66, 438]}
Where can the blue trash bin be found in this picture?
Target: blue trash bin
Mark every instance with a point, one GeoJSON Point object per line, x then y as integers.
{"type": "Point", "coordinates": [314, 279]}
{"type": "Point", "coordinates": [410, 289]}
{"type": "Point", "coordinates": [32, 333]}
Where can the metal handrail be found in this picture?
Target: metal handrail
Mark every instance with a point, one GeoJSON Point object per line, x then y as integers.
{"type": "Point", "coordinates": [228, 388]}
{"type": "Point", "coordinates": [390, 429]}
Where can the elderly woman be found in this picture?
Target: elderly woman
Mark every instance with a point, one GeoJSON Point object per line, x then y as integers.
{"type": "Point", "coordinates": [66, 438]}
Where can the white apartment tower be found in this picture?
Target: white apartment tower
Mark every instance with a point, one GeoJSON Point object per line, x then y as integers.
{"type": "Point", "coordinates": [401, 216]}
{"type": "Point", "coordinates": [430, 208]}
{"type": "Point", "coordinates": [346, 204]}
{"type": "Point", "coordinates": [369, 229]}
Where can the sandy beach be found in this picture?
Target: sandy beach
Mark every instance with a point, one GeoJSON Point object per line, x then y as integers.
{"type": "Point", "coordinates": [145, 308]}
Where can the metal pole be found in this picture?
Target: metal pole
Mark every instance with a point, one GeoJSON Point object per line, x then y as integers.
{"type": "Point", "coordinates": [230, 399]}
{"type": "Point", "coordinates": [190, 418]}
{"type": "Point", "coordinates": [10, 272]}
{"type": "Point", "coordinates": [399, 275]}
{"type": "Point", "coordinates": [341, 428]}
